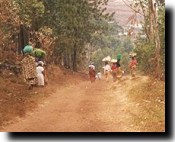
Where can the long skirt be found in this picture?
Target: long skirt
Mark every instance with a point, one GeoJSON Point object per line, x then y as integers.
{"type": "Point", "coordinates": [40, 78]}
{"type": "Point", "coordinates": [92, 75]}
{"type": "Point", "coordinates": [119, 73]}
{"type": "Point", "coordinates": [107, 73]}
{"type": "Point", "coordinates": [133, 71]}
{"type": "Point", "coordinates": [114, 75]}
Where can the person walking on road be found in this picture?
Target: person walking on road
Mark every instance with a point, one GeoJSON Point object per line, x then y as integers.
{"type": "Point", "coordinates": [40, 73]}
{"type": "Point", "coordinates": [107, 70]}
{"type": "Point", "coordinates": [114, 69]}
{"type": "Point", "coordinates": [92, 73]}
{"type": "Point", "coordinates": [132, 65]}
{"type": "Point", "coordinates": [29, 67]}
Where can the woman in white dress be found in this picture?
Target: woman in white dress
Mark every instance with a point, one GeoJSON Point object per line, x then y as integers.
{"type": "Point", "coordinates": [107, 70]}
{"type": "Point", "coordinates": [40, 73]}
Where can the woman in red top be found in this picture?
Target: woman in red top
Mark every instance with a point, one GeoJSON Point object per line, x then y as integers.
{"type": "Point", "coordinates": [132, 66]}
{"type": "Point", "coordinates": [114, 71]}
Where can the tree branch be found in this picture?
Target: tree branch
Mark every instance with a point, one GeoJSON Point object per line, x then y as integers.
{"type": "Point", "coordinates": [136, 11]}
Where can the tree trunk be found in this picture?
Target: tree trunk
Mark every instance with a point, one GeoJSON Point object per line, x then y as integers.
{"type": "Point", "coordinates": [151, 18]}
{"type": "Point", "coordinates": [23, 38]}
{"type": "Point", "coordinates": [154, 31]}
{"type": "Point", "coordinates": [69, 60]}
{"type": "Point", "coordinates": [75, 58]}
{"type": "Point", "coordinates": [65, 58]}
{"type": "Point", "coordinates": [158, 48]}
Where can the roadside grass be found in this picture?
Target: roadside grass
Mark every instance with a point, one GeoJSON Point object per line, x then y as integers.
{"type": "Point", "coordinates": [150, 101]}
{"type": "Point", "coordinates": [17, 101]}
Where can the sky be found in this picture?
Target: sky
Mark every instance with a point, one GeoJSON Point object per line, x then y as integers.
{"type": "Point", "coordinates": [170, 4]}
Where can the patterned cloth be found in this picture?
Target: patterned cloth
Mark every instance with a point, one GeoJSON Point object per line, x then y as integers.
{"type": "Point", "coordinates": [29, 69]}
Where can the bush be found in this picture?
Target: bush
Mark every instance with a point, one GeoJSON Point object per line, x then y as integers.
{"type": "Point", "coordinates": [145, 57]}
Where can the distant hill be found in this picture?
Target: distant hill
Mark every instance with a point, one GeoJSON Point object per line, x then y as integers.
{"type": "Point", "coordinates": [122, 12]}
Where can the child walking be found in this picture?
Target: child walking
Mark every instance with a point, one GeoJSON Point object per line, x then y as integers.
{"type": "Point", "coordinates": [40, 73]}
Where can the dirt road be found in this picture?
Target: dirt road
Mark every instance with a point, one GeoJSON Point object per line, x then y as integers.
{"type": "Point", "coordinates": [85, 107]}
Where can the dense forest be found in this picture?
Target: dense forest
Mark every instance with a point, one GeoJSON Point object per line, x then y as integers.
{"type": "Point", "coordinates": [77, 32]}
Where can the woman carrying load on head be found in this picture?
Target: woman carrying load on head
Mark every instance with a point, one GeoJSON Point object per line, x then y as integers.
{"type": "Point", "coordinates": [114, 69]}
{"type": "Point", "coordinates": [120, 72]}
{"type": "Point", "coordinates": [40, 57]}
{"type": "Point", "coordinates": [29, 67]}
{"type": "Point", "coordinates": [133, 64]}
{"type": "Point", "coordinates": [107, 70]}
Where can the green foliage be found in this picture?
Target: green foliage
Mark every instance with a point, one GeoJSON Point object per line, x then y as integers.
{"type": "Point", "coordinates": [115, 46]}
{"type": "Point", "coordinates": [145, 57]}
{"type": "Point", "coordinates": [152, 49]}
{"type": "Point", "coordinates": [76, 21]}
{"type": "Point", "coordinates": [161, 20]}
{"type": "Point", "coordinates": [8, 21]}
{"type": "Point", "coordinates": [30, 10]}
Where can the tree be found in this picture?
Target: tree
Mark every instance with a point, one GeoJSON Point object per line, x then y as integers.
{"type": "Point", "coordinates": [63, 28]}
{"type": "Point", "coordinates": [30, 14]}
{"type": "Point", "coordinates": [149, 10]}
{"type": "Point", "coordinates": [9, 22]}
{"type": "Point", "coordinates": [74, 22]}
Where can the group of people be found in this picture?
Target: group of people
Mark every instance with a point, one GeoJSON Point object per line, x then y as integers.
{"type": "Point", "coordinates": [115, 70]}
{"type": "Point", "coordinates": [33, 69]}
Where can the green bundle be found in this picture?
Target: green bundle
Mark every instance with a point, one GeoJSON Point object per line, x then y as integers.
{"type": "Point", "coordinates": [119, 56]}
{"type": "Point", "coordinates": [39, 53]}
{"type": "Point", "coordinates": [28, 49]}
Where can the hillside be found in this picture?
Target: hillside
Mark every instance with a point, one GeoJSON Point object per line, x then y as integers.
{"type": "Point", "coordinates": [122, 12]}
